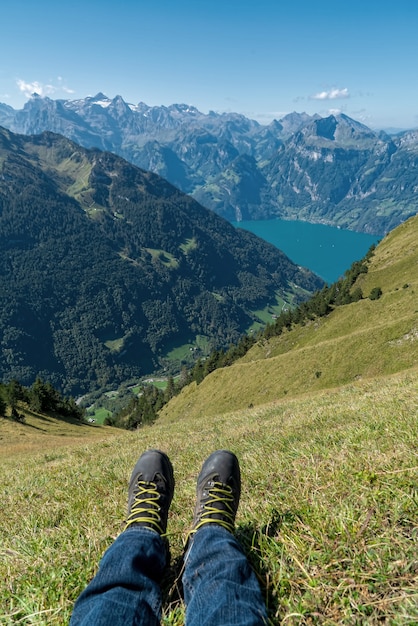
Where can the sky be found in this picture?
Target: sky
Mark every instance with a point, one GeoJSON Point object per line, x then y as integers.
{"type": "Point", "coordinates": [263, 58]}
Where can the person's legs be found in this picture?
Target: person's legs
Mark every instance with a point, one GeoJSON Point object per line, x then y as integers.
{"type": "Point", "coordinates": [219, 584]}
{"type": "Point", "coordinates": [126, 589]}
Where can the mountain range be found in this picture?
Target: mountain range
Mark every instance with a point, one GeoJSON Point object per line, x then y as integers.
{"type": "Point", "coordinates": [108, 272]}
{"type": "Point", "coordinates": [331, 170]}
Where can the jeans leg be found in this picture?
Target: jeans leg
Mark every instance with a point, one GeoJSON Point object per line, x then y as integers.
{"type": "Point", "coordinates": [220, 587]}
{"type": "Point", "coordinates": [126, 589]}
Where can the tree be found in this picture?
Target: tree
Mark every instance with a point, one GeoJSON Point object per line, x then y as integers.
{"type": "Point", "coordinates": [38, 400]}
{"type": "Point", "coordinates": [71, 408]}
{"type": "Point", "coordinates": [198, 372]}
{"type": "Point", "coordinates": [357, 294]}
{"type": "Point", "coordinates": [15, 393]}
{"type": "Point", "coordinates": [375, 293]}
{"type": "Point", "coordinates": [3, 407]}
{"type": "Point", "coordinates": [170, 390]}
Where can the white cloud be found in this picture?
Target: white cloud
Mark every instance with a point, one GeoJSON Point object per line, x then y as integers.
{"type": "Point", "coordinates": [331, 94]}
{"type": "Point", "coordinates": [41, 89]}
{"type": "Point", "coordinates": [35, 87]}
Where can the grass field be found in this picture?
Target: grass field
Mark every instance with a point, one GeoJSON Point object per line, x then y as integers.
{"type": "Point", "coordinates": [328, 515]}
{"type": "Point", "coordinates": [99, 415]}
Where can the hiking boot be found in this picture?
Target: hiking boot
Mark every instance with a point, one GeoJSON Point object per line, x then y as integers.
{"type": "Point", "coordinates": [218, 491]}
{"type": "Point", "coordinates": [151, 490]}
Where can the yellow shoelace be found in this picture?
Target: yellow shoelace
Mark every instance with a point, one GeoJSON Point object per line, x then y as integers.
{"type": "Point", "coordinates": [218, 492]}
{"type": "Point", "coordinates": [145, 508]}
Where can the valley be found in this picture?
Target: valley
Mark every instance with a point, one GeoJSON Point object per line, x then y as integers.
{"type": "Point", "coordinates": [100, 283]}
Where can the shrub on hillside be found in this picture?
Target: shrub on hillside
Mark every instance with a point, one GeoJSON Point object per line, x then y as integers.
{"type": "Point", "coordinates": [375, 293]}
{"type": "Point", "coordinates": [17, 417]}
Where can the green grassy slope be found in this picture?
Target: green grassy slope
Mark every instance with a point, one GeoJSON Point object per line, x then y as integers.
{"type": "Point", "coordinates": [359, 340]}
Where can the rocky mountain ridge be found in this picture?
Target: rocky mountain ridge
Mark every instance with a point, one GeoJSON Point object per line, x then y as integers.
{"type": "Point", "coordinates": [331, 170]}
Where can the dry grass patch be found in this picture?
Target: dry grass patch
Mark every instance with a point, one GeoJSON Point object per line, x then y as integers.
{"type": "Point", "coordinates": [45, 433]}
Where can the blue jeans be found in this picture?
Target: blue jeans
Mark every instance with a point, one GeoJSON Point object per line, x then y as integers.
{"type": "Point", "coordinates": [220, 588]}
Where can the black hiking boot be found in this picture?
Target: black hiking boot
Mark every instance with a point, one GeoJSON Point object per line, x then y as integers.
{"type": "Point", "coordinates": [151, 490]}
{"type": "Point", "coordinates": [218, 492]}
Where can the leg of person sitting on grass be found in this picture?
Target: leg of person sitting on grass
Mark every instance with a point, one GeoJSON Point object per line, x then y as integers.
{"type": "Point", "coordinates": [126, 589]}
{"type": "Point", "coordinates": [219, 585]}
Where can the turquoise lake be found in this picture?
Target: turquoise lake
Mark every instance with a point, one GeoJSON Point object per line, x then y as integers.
{"type": "Point", "coordinates": [325, 250]}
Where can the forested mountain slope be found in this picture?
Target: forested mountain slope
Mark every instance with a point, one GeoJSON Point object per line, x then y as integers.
{"type": "Point", "coordinates": [105, 268]}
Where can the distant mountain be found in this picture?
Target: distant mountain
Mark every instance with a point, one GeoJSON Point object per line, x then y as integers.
{"type": "Point", "coordinates": [106, 270]}
{"type": "Point", "coordinates": [330, 170]}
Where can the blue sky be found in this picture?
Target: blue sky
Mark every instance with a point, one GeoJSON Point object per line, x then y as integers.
{"type": "Point", "coordinates": [263, 58]}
